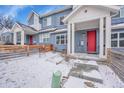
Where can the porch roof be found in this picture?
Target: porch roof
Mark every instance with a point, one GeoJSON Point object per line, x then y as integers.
{"type": "Point", "coordinates": [113, 9]}
{"type": "Point", "coordinates": [27, 29]}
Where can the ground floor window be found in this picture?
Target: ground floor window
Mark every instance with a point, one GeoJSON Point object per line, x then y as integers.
{"type": "Point", "coordinates": [18, 37]}
{"type": "Point", "coordinates": [61, 39]}
{"type": "Point", "coordinates": [44, 38]}
{"type": "Point", "coordinates": [117, 39]}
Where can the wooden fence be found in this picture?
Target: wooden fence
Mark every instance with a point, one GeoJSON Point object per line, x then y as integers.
{"type": "Point", "coordinates": [117, 63]}
{"type": "Point", "coordinates": [11, 51]}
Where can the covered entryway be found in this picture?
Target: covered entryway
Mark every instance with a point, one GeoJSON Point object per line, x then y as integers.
{"type": "Point", "coordinates": [89, 17]}
{"type": "Point", "coordinates": [23, 34]}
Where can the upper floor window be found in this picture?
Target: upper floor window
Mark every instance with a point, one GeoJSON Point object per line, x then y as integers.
{"type": "Point", "coordinates": [48, 21]}
{"type": "Point", "coordinates": [122, 12]}
{"type": "Point", "coordinates": [61, 22]}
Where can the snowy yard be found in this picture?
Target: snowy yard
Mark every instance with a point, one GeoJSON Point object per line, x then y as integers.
{"type": "Point", "coordinates": [36, 71]}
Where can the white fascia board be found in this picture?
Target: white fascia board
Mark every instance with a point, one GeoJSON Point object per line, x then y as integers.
{"type": "Point", "coordinates": [15, 25]}
{"type": "Point", "coordinates": [59, 31]}
{"type": "Point", "coordinates": [118, 26]}
{"type": "Point", "coordinates": [111, 7]}
{"type": "Point", "coordinates": [48, 29]}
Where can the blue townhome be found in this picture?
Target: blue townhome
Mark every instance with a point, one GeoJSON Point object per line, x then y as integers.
{"type": "Point", "coordinates": [78, 29]}
{"type": "Point", "coordinates": [43, 29]}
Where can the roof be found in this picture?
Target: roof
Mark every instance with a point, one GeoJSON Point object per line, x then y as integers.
{"type": "Point", "coordinates": [5, 30]}
{"type": "Point", "coordinates": [59, 31]}
{"type": "Point", "coordinates": [26, 27]}
{"type": "Point", "coordinates": [56, 11]}
{"type": "Point", "coordinates": [111, 7]}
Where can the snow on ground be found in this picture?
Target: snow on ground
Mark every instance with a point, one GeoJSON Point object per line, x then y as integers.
{"type": "Point", "coordinates": [36, 71]}
{"type": "Point", "coordinates": [110, 79]}
{"type": "Point", "coordinates": [30, 71]}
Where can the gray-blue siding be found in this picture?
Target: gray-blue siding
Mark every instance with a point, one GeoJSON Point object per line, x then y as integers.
{"type": "Point", "coordinates": [55, 20]}
{"type": "Point", "coordinates": [56, 46]}
{"type": "Point", "coordinates": [52, 41]}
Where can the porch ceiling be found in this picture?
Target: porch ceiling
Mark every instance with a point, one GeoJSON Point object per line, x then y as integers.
{"type": "Point", "coordinates": [92, 24]}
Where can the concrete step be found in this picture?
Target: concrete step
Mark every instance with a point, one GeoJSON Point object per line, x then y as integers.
{"type": "Point", "coordinates": [87, 70]}
{"type": "Point", "coordinates": [92, 75]}
{"type": "Point", "coordinates": [86, 64]}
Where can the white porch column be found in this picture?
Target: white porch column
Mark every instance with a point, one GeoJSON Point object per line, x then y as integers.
{"type": "Point", "coordinates": [22, 37]}
{"type": "Point", "coordinates": [69, 38]}
{"type": "Point", "coordinates": [73, 38]}
{"type": "Point", "coordinates": [101, 28]}
{"type": "Point", "coordinates": [14, 38]}
{"type": "Point", "coordinates": [108, 33]}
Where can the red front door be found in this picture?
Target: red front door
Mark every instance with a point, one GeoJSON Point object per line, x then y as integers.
{"type": "Point", "coordinates": [91, 41]}
{"type": "Point", "coordinates": [31, 40]}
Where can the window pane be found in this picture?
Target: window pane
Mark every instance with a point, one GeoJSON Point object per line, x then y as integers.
{"type": "Point", "coordinates": [114, 36]}
{"type": "Point", "coordinates": [114, 43]}
{"type": "Point", "coordinates": [57, 39]}
{"type": "Point", "coordinates": [62, 37]}
{"type": "Point", "coordinates": [121, 43]}
{"type": "Point", "coordinates": [121, 35]}
{"type": "Point", "coordinates": [62, 41]}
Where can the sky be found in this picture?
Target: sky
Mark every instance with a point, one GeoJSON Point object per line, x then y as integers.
{"type": "Point", "coordinates": [20, 13]}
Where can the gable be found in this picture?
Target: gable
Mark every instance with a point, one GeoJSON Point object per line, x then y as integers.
{"type": "Point", "coordinates": [16, 28]}
{"type": "Point", "coordinates": [31, 19]}
{"type": "Point", "coordinates": [89, 13]}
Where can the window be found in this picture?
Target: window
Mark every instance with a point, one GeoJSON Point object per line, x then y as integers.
{"type": "Point", "coordinates": [18, 37]}
{"type": "Point", "coordinates": [121, 39]}
{"type": "Point", "coordinates": [61, 39]}
{"type": "Point", "coordinates": [122, 12]}
{"type": "Point", "coordinates": [61, 22]}
{"type": "Point", "coordinates": [45, 38]}
{"type": "Point", "coordinates": [121, 35]}
{"type": "Point", "coordinates": [114, 43]}
{"type": "Point", "coordinates": [117, 39]}
{"type": "Point", "coordinates": [48, 21]}
{"type": "Point", "coordinates": [114, 36]}
{"type": "Point", "coordinates": [121, 43]}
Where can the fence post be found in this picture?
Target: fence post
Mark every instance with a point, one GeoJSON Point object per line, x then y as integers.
{"type": "Point", "coordinates": [109, 55]}
{"type": "Point", "coordinates": [27, 50]}
{"type": "Point", "coordinates": [56, 78]}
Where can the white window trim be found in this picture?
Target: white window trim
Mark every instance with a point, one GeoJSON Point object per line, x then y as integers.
{"type": "Point", "coordinates": [60, 39]}
{"type": "Point", "coordinates": [42, 36]}
{"type": "Point", "coordinates": [118, 39]}
{"type": "Point", "coordinates": [49, 21]}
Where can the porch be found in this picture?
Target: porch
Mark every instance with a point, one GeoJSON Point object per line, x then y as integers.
{"type": "Point", "coordinates": [89, 30]}
{"type": "Point", "coordinates": [26, 37]}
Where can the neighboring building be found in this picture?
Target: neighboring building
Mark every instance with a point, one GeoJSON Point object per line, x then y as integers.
{"type": "Point", "coordinates": [79, 29]}
{"type": "Point", "coordinates": [118, 30]}
{"type": "Point", "coordinates": [6, 36]}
